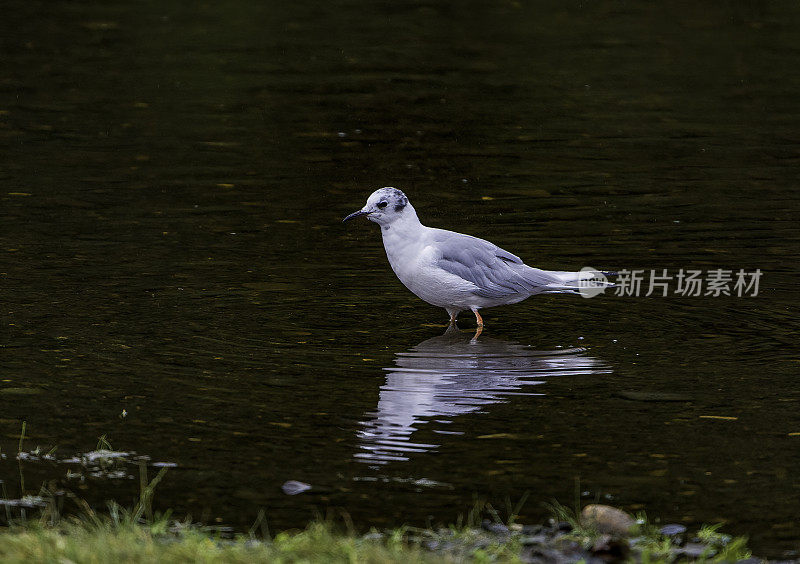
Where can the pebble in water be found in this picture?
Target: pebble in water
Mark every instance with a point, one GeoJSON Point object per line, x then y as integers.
{"type": "Point", "coordinates": [673, 529]}
{"type": "Point", "coordinates": [293, 487]}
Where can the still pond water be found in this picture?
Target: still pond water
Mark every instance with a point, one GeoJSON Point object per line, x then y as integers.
{"type": "Point", "coordinates": [175, 274]}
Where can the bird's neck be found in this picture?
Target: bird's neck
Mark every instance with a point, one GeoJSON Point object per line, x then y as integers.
{"type": "Point", "coordinates": [403, 239]}
{"type": "Point", "coordinates": [406, 228]}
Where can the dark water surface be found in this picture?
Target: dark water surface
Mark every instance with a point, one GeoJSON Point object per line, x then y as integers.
{"type": "Point", "coordinates": [173, 180]}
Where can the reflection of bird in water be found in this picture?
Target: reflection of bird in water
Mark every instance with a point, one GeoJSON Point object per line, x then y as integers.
{"type": "Point", "coordinates": [451, 375]}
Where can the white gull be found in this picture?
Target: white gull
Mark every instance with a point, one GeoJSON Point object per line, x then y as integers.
{"type": "Point", "coordinates": [460, 272]}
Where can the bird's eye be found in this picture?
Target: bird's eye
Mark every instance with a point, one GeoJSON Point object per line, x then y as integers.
{"type": "Point", "coordinates": [383, 205]}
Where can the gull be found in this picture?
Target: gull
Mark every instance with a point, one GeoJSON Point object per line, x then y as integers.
{"type": "Point", "coordinates": [459, 272]}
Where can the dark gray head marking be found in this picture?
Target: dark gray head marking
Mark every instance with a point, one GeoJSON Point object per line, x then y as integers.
{"type": "Point", "coordinates": [400, 200]}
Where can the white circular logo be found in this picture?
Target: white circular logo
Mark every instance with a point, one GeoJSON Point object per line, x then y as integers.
{"type": "Point", "coordinates": [592, 282]}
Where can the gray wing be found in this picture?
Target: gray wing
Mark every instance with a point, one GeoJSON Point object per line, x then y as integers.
{"type": "Point", "coordinates": [496, 272]}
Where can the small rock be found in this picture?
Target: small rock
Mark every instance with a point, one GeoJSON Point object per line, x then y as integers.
{"type": "Point", "coordinates": [694, 550]}
{"type": "Point", "coordinates": [673, 529]}
{"type": "Point", "coordinates": [431, 545]}
{"type": "Point", "coordinates": [293, 487]}
{"type": "Point", "coordinates": [533, 539]}
{"type": "Point", "coordinates": [496, 528]}
{"type": "Point", "coordinates": [606, 519]}
{"type": "Point", "coordinates": [532, 529]}
{"type": "Point", "coordinates": [563, 527]}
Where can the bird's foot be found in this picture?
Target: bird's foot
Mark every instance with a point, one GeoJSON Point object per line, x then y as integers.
{"type": "Point", "coordinates": [477, 334]}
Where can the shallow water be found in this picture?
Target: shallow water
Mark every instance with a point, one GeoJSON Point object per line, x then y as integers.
{"type": "Point", "coordinates": [175, 274]}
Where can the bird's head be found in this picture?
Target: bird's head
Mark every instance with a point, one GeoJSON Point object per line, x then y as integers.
{"type": "Point", "coordinates": [384, 206]}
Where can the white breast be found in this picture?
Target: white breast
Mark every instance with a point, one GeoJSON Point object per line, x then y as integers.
{"type": "Point", "coordinates": [414, 263]}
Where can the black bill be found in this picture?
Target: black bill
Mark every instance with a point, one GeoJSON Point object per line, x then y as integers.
{"type": "Point", "coordinates": [354, 215]}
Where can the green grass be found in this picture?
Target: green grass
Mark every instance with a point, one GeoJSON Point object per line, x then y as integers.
{"type": "Point", "coordinates": [83, 542]}
{"type": "Point", "coordinates": [140, 535]}
{"type": "Point", "coordinates": [130, 536]}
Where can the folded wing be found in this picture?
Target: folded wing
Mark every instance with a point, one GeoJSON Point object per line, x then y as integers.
{"type": "Point", "coordinates": [496, 272]}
